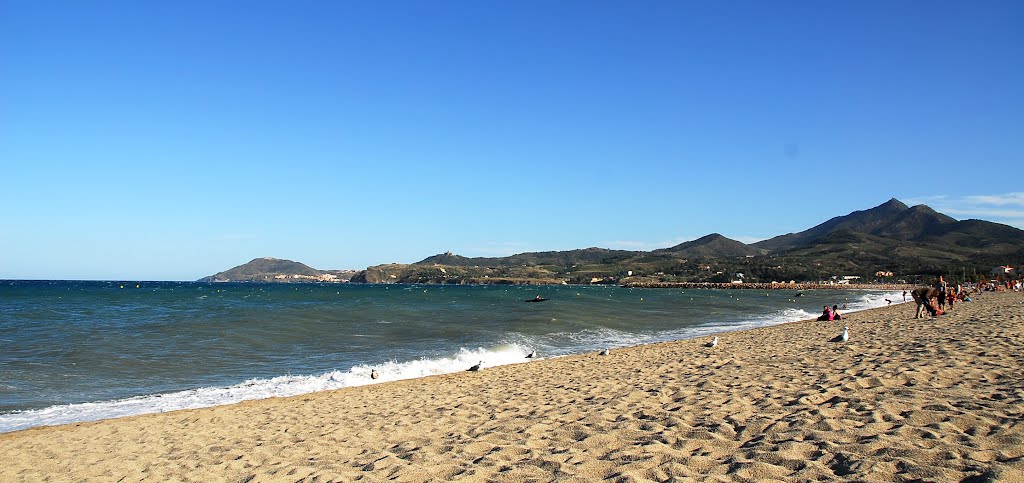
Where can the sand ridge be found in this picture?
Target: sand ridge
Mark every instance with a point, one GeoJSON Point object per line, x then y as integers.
{"type": "Point", "coordinates": [934, 399]}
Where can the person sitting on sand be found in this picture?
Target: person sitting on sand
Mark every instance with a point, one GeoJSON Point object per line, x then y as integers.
{"type": "Point", "coordinates": [826, 314]}
{"type": "Point", "coordinates": [835, 312]}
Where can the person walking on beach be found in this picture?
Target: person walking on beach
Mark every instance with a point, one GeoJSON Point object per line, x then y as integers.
{"type": "Point", "coordinates": [942, 288]}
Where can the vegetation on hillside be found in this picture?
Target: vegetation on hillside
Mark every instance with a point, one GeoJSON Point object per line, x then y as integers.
{"type": "Point", "coordinates": [912, 243]}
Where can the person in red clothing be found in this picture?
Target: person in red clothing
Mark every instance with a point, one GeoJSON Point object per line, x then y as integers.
{"type": "Point", "coordinates": [826, 314]}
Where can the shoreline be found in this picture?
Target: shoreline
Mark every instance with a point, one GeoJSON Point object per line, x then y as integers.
{"type": "Point", "coordinates": [937, 399]}
{"type": "Point", "coordinates": [772, 286]}
{"type": "Point", "coordinates": [285, 384]}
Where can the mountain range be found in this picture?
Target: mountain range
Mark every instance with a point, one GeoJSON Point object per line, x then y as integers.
{"type": "Point", "coordinates": [892, 237]}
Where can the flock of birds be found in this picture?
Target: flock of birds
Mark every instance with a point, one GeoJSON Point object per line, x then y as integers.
{"type": "Point", "coordinates": [843, 337]}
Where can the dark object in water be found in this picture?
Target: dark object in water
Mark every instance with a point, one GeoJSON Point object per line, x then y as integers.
{"type": "Point", "coordinates": [799, 294]}
{"type": "Point", "coordinates": [538, 299]}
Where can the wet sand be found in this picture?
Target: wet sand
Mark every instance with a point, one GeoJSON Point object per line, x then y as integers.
{"type": "Point", "coordinates": [934, 399]}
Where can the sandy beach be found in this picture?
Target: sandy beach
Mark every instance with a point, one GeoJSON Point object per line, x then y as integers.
{"type": "Point", "coordinates": [934, 399]}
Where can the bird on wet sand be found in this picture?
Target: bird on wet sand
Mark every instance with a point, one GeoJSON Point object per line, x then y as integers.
{"type": "Point", "coordinates": [713, 343]}
{"type": "Point", "coordinates": [476, 367]}
{"type": "Point", "coordinates": [531, 355]}
{"type": "Point", "coordinates": [603, 352]}
{"type": "Point", "coordinates": [374, 374]}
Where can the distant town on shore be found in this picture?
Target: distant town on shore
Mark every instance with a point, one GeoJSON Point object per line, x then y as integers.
{"type": "Point", "coordinates": [888, 244]}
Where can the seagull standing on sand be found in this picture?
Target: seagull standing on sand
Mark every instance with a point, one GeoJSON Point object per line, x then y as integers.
{"type": "Point", "coordinates": [373, 374]}
{"type": "Point", "coordinates": [713, 343]}
{"type": "Point", "coordinates": [476, 367]}
{"type": "Point", "coordinates": [603, 352]}
{"type": "Point", "coordinates": [845, 336]}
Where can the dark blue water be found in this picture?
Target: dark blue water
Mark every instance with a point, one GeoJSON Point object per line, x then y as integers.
{"type": "Point", "coordinates": [73, 351]}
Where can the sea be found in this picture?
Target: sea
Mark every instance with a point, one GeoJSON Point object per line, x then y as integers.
{"type": "Point", "coordinates": [73, 351]}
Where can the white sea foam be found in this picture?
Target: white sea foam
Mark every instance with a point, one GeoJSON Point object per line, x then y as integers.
{"type": "Point", "coordinates": [281, 386]}
{"type": "Point", "coordinates": [550, 345]}
{"type": "Point", "coordinates": [594, 339]}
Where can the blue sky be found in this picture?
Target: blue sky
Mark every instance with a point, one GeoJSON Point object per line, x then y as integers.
{"type": "Point", "coordinates": [173, 140]}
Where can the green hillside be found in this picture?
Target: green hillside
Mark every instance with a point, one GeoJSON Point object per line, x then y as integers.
{"type": "Point", "coordinates": [272, 270]}
{"type": "Point", "coordinates": [914, 243]}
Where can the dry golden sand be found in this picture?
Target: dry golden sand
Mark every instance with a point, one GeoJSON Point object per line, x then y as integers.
{"type": "Point", "coordinates": [923, 400]}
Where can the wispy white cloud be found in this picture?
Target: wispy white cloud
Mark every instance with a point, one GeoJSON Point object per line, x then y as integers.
{"type": "Point", "coordinates": [985, 213]}
{"type": "Point", "coordinates": [1012, 199]}
{"type": "Point", "coordinates": [1005, 208]}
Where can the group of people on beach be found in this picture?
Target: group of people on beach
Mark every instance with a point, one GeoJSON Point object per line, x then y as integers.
{"type": "Point", "coordinates": [999, 286]}
{"type": "Point", "coordinates": [935, 298]}
{"type": "Point", "coordinates": [830, 313]}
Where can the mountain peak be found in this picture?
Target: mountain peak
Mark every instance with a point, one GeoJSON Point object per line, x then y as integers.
{"type": "Point", "coordinates": [892, 219]}
{"type": "Point", "coordinates": [713, 245]}
{"type": "Point", "coordinates": [927, 210]}
{"type": "Point", "coordinates": [446, 258]}
{"type": "Point", "coordinates": [893, 205]}
{"type": "Point", "coordinates": [265, 269]}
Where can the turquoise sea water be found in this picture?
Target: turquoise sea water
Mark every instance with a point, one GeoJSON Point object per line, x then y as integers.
{"type": "Point", "coordinates": [75, 351]}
